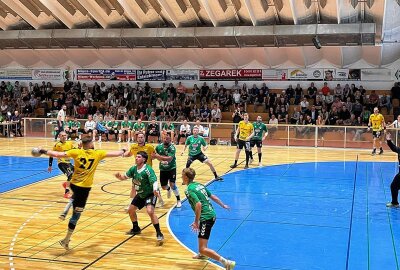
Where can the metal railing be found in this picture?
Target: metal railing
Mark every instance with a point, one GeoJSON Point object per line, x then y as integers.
{"type": "Point", "coordinates": [279, 135]}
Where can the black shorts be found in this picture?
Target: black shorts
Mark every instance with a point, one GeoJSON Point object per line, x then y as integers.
{"type": "Point", "coordinates": [200, 157]}
{"type": "Point", "coordinates": [241, 144]}
{"type": "Point", "coordinates": [67, 169]}
{"type": "Point", "coordinates": [258, 143]}
{"type": "Point", "coordinates": [141, 202]}
{"type": "Point", "coordinates": [205, 228]}
{"type": "Point", "coordinates": [377, 134]}
{"type": "Point", "coordinates": [167, 176]}
{"type": "Point", "coordinates": [88, 132]}
{"type": "Point", "coordinates": [81, 195]}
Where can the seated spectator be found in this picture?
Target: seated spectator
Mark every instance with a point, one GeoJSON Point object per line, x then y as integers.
{"type": "Point", "coordinates": [200, 127]}
{"type": "Point", "coordinates": [304, 104]}
{"type": "Point", "coordinates": [384, 101]}
{"type": "Point", "coordinates": [298, 94]}
{"type": "Point", "coordinates": [338, 92]}
{"type": "Point", "coordinates": [16, 119]}
{"type": "Point", "coordinates": [325, 89]}
{"type": "Point", "coordinates": [396, 90]}
{"type": "Point", "coordinates": [90, 127]}
{"type": "Point", "coordinates": [365, 115]}
{"type": "Point", "coordinates": [216, 114]}
{"type": "Point", "coordinates": [259, 100]}
{"type": "Point", "coordinates": [236, 97]}
{"type": "Point", "coordinates": [311, 92]}
{"type": "Point", "coordinates": [344, 115]}
{"type": "Point", "coordinates": [138, 127]}
{"type": "Point", "coordinates": [357, 108]}
{"type": "Point", "coordinates": [282, 115]}
{"type": "Point", "coordinates": [333, 116]}
{"type": "Point", "coordinates": [253, 92]}
{"type": "Point", "coordinates": [289, 93]}
{"type": "Point", "coordinates": [313, 113]}
{"type": "Point", "coordinates": [273, 121]}
{"type": "Point", "coordinates": [329, 101]}
{"type": "Point", "coordinates": [373, 100]}
{"type": "Point", "coordinates": [205, 114]}
{"type": "Point", "coordinates": [184, 131]}
{"type": "Point", "coordinates": [153, 131]}
{"type": "Point", "coordinates": [112, 128]}
{"type": "Point", "coordinates": [295, 116]}
{"type": "Point", "coordinates": [169, 128]}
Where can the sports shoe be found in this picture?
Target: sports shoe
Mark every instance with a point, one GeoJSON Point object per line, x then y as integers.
{"type": "Point", "coordinates": [259, 164]}
{"type": "Point", "coordinates": [381, 151]}
{"type": "Point", "coordinates": [373, 152]}
{"type": "Point", "coordinates": [391, 205]}
{"type": "Point", "coordinates": [99, 139]}
{"type": "Point", "coordinates": [160, 237]}
{"type": "Point", "coordinates": [169, 193]}
{"type": "Point", "coordinates": [64, 244]}
{"type": "Point", "coordinates": [62, 216]}
{"type": "Point", "coordinates": [134, 231]}
{"type": "Point", "coordinates": [178, 204]}
{"type": "Point", "coordinates": [199, 256]}
{"type": "Point", "coordinates": [233, 166]}
{"type": "Point", "coordinates": [251, 161]}
{"type": "Point", "coordinates": [219, 178]}
{"type": "Point", "coordinates": [119, 141]}
{"type": "Point", "coordinates": [246, 166]}
{"type": "Point", "coordinates": [67, 195]}
{"type": "Point", "coordinates": [230, 265]}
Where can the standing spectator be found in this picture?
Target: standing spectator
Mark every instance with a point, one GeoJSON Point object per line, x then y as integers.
{"type": "Point", "coordinates": [298, 94]}
{"type": "Point", "coordinates": [325, 89]}
{"type": "Point", "coordinates": [204, 94]}
{"type": "Point", "coordinates": [311, 91]}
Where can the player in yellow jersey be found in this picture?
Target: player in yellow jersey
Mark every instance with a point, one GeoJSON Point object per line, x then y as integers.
{"type": "Point", "coordinates": [85, 164]}
{"type": "Point", "coordinates": [64, 164]}
{"type": "Point", "coordinates": [243, 134]}
{"type": "Point", "coordinates": [141, 145]}
{"type": "Point", "coordinates": [378, 125]}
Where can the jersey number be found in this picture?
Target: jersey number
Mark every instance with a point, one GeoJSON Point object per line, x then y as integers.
{"type": "Point", "coordinates": [84, 161]}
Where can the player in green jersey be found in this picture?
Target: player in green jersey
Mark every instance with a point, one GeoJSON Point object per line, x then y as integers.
{"type": "Point", "coordinates": [195, 143]}
{"type": "Point", "coordinates": [260, 133]}
{"type": "Point", "coordinates": [145, 181]}
{"type": "Point", "coordinates": [138, 127]}
{"type": "Point", "coordinates": [125, 129]}
{"type": "Point", "coordinates": [165, 153]}
{"type": "Point", "coordinates": [199, 199]}
{"type": "Point", "coordinates": [112, 128]}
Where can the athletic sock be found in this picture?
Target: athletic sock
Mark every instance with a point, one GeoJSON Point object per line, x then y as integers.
{"type": "Point", "coordinates": [157, 227]}
{"type": "Point", "coordinates": [259, 157]}
{"type": "Point", "coordinates": [215, 174]}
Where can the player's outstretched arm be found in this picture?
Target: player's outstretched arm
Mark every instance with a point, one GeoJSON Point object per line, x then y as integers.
{"type": "Point", "coordinates": [391, 145]}
{"type": "Point", "coordinates": [52, 153]}
{"type": "Point", "coordinates": [219, 202]}
{"type": "Point", "coordinates": [116, 153]}
{"type": "Point", "coordinates": [121, 176]}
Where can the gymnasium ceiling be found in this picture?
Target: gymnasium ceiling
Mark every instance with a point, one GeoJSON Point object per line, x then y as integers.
{"type": "Point", "coordinates": [199, 33]}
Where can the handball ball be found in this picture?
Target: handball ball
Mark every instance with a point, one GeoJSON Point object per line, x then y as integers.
{"type": "Point", "coordinates": [36, 152]}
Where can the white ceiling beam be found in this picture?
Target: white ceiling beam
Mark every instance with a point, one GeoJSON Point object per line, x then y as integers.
{"type": "Point", "coordinates": [170, 12]}
{"type": "Point", "coordinates": [23, 12]}
{"type": "Point", "coordinates": [251, 12]}
{"type": "Point", "coordinates": [93, 10]}
{"type": "Point", "coordinates": [59, 12]}
{"type": "Point", "coordinates": [130, 12]}
{"type": "Point", "coordinates": [293, 9]}
{"type": "Point", "coordinates": [210, 12]}
{"type": "Point", "coordinates": [338, 11]}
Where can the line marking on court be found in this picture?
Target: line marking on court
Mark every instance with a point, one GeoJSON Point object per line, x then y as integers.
{"type": "Point", "coordinates": [13, 241]}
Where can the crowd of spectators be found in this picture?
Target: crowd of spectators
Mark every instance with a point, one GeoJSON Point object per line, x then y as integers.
{"type": "Point", "coordinates": [342, 105]}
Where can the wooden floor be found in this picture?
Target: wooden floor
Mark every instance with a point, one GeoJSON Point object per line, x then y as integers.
{"type": "Point", "coordinates": [30, 228]}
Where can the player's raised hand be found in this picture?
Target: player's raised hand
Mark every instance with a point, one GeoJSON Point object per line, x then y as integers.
{"type": "Point", "coordinates": [388, 136]}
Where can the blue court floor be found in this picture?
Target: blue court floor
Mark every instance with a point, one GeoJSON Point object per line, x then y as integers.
{"type": "Point", "coordinates": [324, 215]}
{"type": "Point", "coordinates": [17, 172]}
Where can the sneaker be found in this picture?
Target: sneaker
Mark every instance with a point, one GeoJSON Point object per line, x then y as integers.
{"type": "Point", "coordinates": [64, 244]}
{"type": "Point", "coordinates": [178, 204]}
{"type": "Point", "coordinates": [381, 151]}
{"type": "Point", "coordinates": [169, 193]}
{"type": "Point", "coordinates": [160, 237]}
{"type": "Point", "coordinates": [62, 216]}
{"type": "Point", "coordinates": [391, 205]}
{"type": "Point", "coordinates": [219, 178]}
{"type": "Point", "coordinates": [119, 141]}
{"type": "Point", "coordinates": [233, 166]}
{"type": "Point", "coordinates": [246, 166]}
{"type": "Point", "coordinates": [199, 256]}
{"type": "Point", "coordinates": [373, 152]}
{"type": "Point", "coordinates": [99, 140]}
{"type": "Point", "coordinates": [251, 161]}
{"type": "Point", "coordinates": [67, 195]}
{"type": "Point", "coordinates": [134, 231]}
{"type": "Point", "coordinates": [259, 164]}
{"type": "Point", "coordinates": [128, 141]}
{"type": "Point", "coordinates": [230, 265]}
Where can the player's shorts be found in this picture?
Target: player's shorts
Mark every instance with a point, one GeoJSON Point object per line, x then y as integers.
{"type": "Point", "coordinates": [67, 169]}
{"type": "Point", "coordinates": [200, 157]}
{"type": "Point", "coordinates": [167, 176]}
{"type": "Point", "coordinates": [376, 134]}
{"type": "Point", "coordinates": [124, 131]}
{"type": "Point", "coordinates": [258, 143]}
{"type": "Point", "coordinates": [241, 144]}
{"type": "Point", "coordinates": [89, 131]}
{"type": "Point", "coordinates": [81, 195]}
{"type": "Point", "coordinates": [142, 202]}
{"type": "Point", "coordinates": [205, 228]}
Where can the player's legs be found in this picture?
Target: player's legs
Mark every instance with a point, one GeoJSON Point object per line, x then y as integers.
{"type": "Point", "coordinates": [151, 202]}
{"type": "Point", "coordinates": [234, 165]}
{"type": "Point", "coordinates": [394, 189]}
{"type": "Point", "coordinates": [208, 162]}
{"type": "Point", "coordinates": [131, 196]}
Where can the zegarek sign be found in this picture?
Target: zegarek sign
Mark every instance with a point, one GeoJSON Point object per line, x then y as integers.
{"type": "Point", "coordinates": [231, 74]}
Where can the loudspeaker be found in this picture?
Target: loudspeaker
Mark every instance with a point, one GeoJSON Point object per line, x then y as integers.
{"type": "Point", "coordinates": [317, 43]}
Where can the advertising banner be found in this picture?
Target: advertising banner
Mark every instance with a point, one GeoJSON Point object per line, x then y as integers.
{"type": "Point", "coordinates": [106, 74]}
{"type": "Point", "coordinates": [150, 75]}
{"type": "Point", "coordinates": [231, 74]}
{"type": "Point", "coordinates": [182, 75]}
{"type": "Point", "coordinates": [31, 74]}
{"type": "Point", "coordinates": [274, 74]}
{"type": "Point", "coordinates": [374, 74]}
{"type": "Point", "coordinates": [311, 74]}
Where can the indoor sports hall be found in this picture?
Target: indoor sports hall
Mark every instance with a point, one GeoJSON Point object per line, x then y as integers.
{"type": "Point", "coordinates": [322, 75]}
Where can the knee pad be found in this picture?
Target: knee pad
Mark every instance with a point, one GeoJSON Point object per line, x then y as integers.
{"type": "Point", "coordinates": [174, 187]}
{"type": "Point", "coordinates": [73, 220]}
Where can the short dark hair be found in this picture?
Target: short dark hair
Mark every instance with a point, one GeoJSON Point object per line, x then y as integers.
{"type": "Point", "coordinates": [86, 140]}
{"type": "Point", "coordinates": [144, 155]}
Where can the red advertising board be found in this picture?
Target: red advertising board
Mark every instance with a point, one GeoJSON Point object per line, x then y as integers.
{"type": "Point", "coordinates": [230, 74]}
